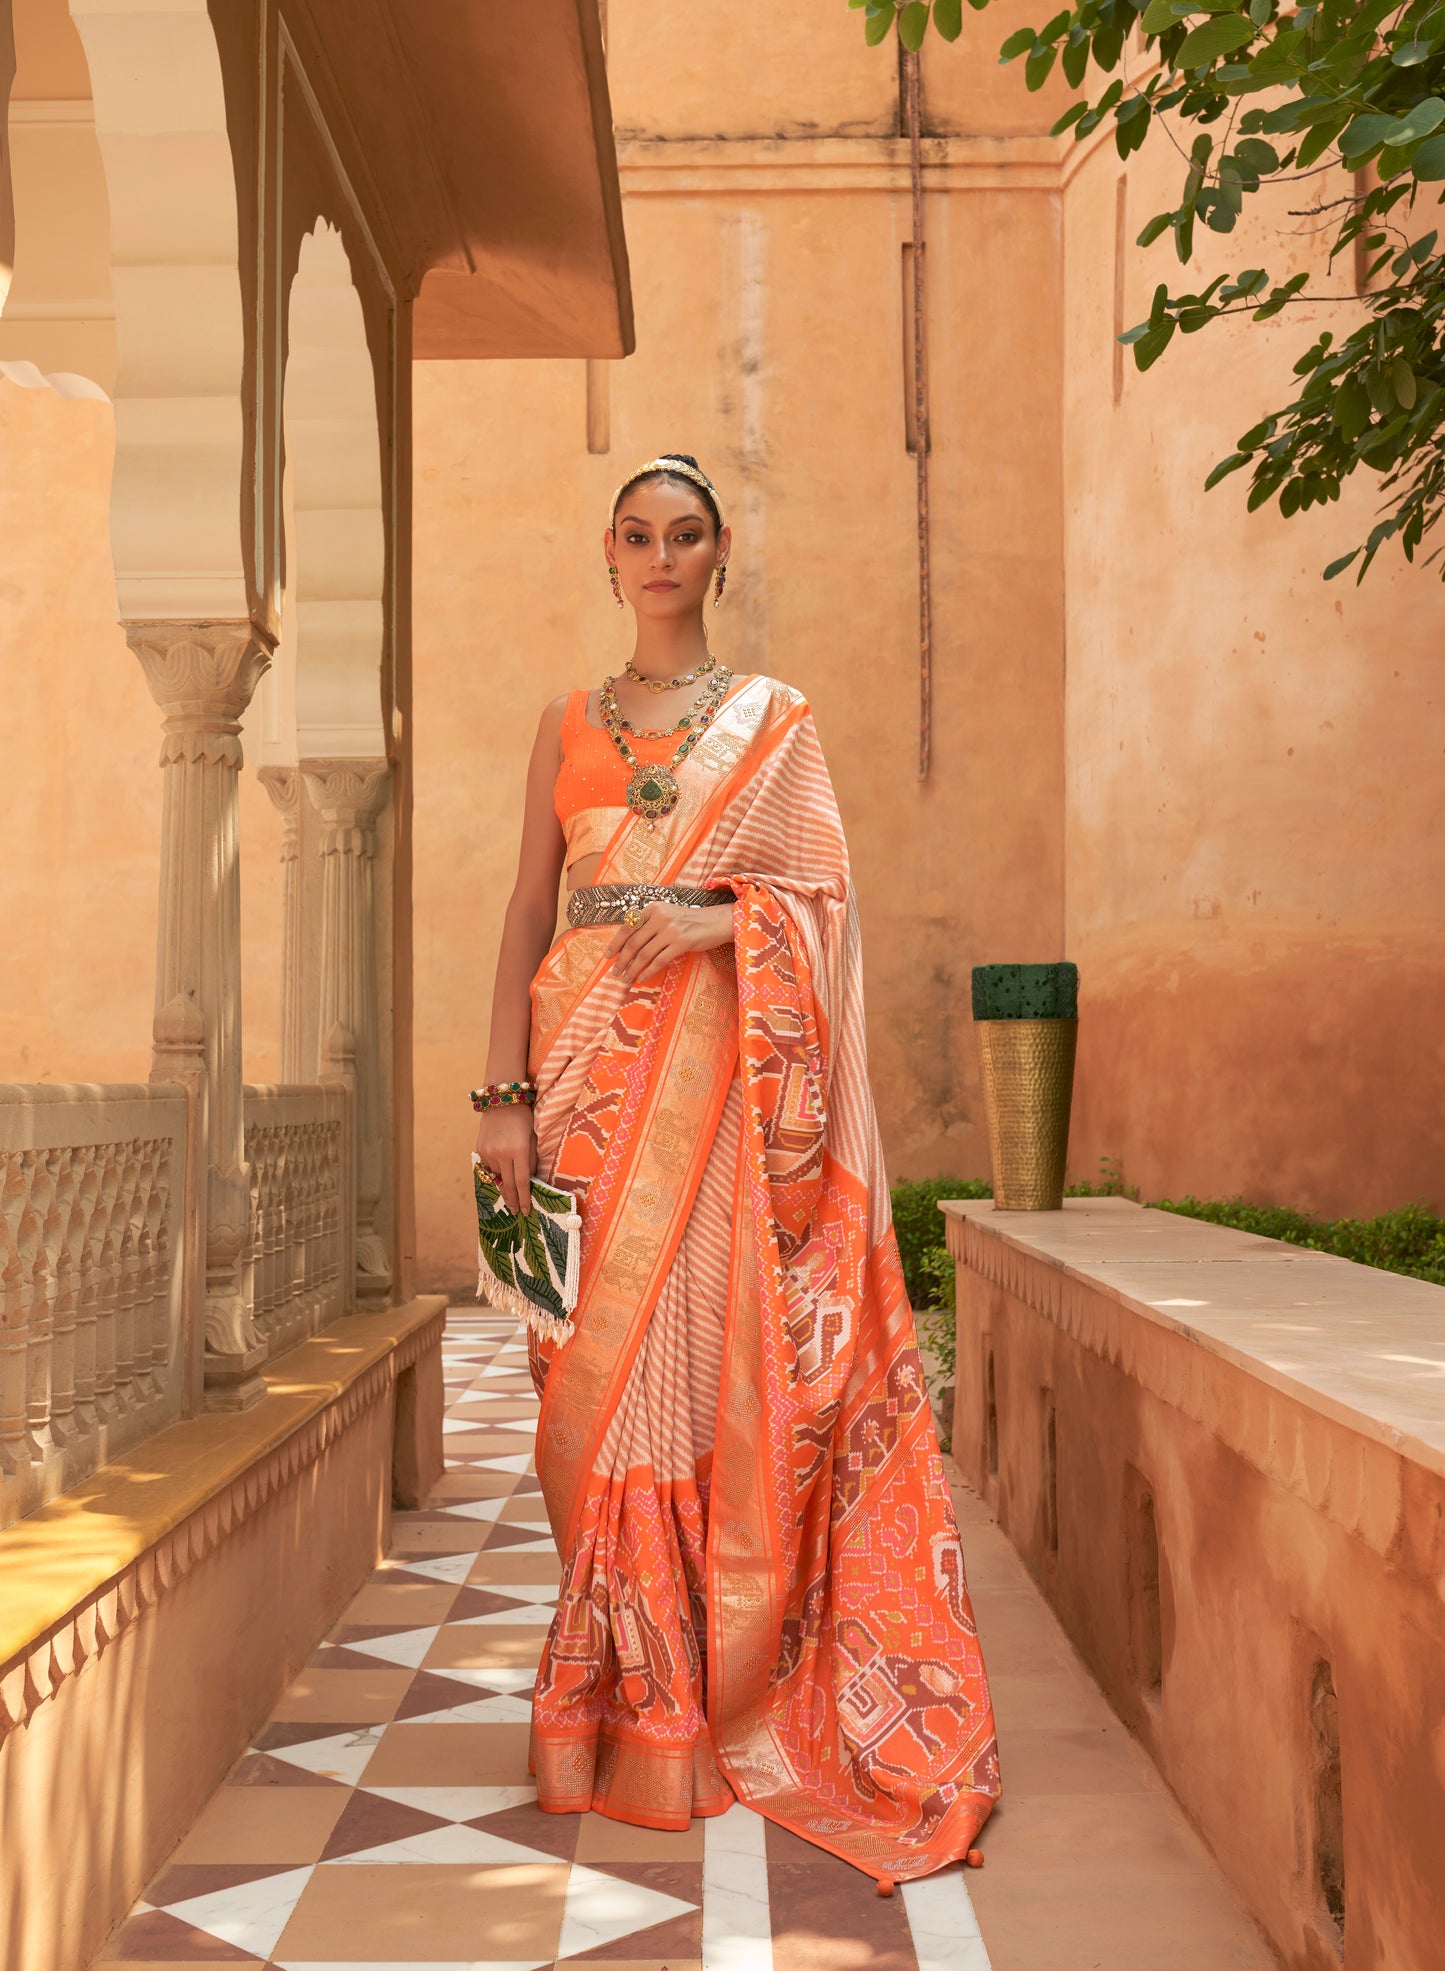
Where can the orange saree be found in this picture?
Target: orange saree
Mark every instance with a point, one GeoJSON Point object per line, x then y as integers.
{"type": "Point", "coordinates": [762, 1589]}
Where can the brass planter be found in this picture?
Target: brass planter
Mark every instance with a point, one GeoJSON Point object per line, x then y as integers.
{"type": "Point", "coordinates": [1028, 1084]}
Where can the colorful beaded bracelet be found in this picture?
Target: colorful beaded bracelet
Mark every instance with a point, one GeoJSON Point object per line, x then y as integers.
{"type": "Point", "coordinates": [503, 1094]}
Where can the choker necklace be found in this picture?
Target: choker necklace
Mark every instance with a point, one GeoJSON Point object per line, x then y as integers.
{"type": "Point", "coordinates": [653, 790]}
{"type": "Point", "coordinates": [709, 663]}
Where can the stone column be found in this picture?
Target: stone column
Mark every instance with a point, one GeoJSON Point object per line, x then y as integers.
{"type": "Point", "coordinates": [202, 676]}
{"type": "Point", "coordinates": [283, 784]}
{"type": "Point", "coordinates": [348, 796]}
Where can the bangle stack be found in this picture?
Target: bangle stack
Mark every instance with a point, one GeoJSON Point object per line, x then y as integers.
{"type": "Point", "coordinates": [503, 1094]}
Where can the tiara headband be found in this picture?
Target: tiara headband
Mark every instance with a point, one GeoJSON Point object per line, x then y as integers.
{"type": "Point", "coordinates": [675, 468]}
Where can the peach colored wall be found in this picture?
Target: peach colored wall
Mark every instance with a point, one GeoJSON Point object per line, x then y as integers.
{"type": "Point", "coordinates": [770, 342]}
{"type": "Point", "coordinates": [79, 746]}
{"type": "Point", "coordinates": [1253, 810]}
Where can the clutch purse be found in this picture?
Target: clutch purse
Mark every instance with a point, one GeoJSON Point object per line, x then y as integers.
{"type": "Point", "coordinates": [529, 1265]}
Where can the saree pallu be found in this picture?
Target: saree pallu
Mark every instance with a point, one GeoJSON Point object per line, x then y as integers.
{"type": "Point", "coordinates": [763, 1590]}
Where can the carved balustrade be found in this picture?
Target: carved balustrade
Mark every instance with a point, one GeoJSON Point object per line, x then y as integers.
{"type": "Point", "coordinates": [93, 1356]}
{"type": "Point", "coordinates": [301, 1257]}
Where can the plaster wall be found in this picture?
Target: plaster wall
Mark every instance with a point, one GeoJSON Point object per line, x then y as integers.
{"type": "Point", "coordinates": [770, 313]}
{"type": "Point", "coordinates": [1253, 757]}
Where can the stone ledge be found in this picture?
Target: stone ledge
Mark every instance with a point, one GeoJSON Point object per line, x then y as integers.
{"type": "Point", "coordinates": [1357, 1345]}
{"type": "Point", "coordinates": [82, 1568]}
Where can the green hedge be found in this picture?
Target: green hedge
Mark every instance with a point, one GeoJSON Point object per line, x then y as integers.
{"type": "Point", "coordinates": [1410, 1240]}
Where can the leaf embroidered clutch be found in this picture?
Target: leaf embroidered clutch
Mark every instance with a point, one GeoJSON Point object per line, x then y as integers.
{"type": "Point", "coordinates": [528, 1265]}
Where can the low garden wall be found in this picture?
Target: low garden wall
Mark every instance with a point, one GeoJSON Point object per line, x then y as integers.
{"type": "Point", "coordinates": [1223, 1460]}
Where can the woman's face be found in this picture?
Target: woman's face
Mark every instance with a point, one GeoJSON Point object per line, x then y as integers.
{"type": "Point", "coordinates": [664, 547]}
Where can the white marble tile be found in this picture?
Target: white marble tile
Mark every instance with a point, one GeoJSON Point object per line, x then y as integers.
{"type": "Point", "coordinates": [533, 1591]}
{"type": "Point", "coordinates": [524, 1616]}
{"type": "Point", "coordinates": [945, 1930]}
{"type": "Point", "coordinates": [461, 1846]}
{"type": "Point", "coordinates": [478, 1508]}
{"type": "Point", "coordinates": [457, 1802]}
{"type": "Point", "coordinates": [405, 1648]}
{"type": "Point", "coordinates": [250, 1916]}
{"type": "Point", "coordinates": [480, 1711]}
{"type": "Point", "coordinates": [439, 1567]}
{"type": "Point", "coordinates": [412, 1964]}
{"type": "Point", "coordinates": [737, 1924]}
{"type": "Point", "coordinates": [600, 1909]}
{"type": "Point", "coordinates": [502, 1679]}
{"type": "Point", "coordinates": [345, 1756]}
{"type": "Point", "coordinates": [513, 1461]}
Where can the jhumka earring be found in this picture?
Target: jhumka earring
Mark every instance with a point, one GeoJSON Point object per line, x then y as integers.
{"type": "Point", "coordinates": [616, 585]}
{"type": "Point", "coordinates": [718, 583]}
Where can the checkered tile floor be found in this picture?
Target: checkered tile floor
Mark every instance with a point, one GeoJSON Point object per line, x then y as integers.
{"type": "Point", "coordinates": [384, 1818]}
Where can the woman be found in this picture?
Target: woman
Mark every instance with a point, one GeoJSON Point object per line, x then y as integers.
{"type": "Point", "coordinates": [762, 1585]}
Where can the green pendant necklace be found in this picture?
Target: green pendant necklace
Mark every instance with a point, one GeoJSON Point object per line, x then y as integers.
{"type": "Point", "coordinates": [653, 790]}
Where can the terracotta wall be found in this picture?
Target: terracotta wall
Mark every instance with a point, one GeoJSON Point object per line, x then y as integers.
{"type": "Point", "coordinates": [769, 291]}
{"type": "Point", "coordinates": [1253, 810]}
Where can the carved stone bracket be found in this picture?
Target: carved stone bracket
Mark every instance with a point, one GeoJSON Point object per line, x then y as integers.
{"type": "Point", "coordinates": [202, 676]}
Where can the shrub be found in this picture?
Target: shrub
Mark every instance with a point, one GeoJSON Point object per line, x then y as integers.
{"type": "Point", "coordinates": [919, 1226]}
{"type": "Point", "coordinates": [1409, 1240]}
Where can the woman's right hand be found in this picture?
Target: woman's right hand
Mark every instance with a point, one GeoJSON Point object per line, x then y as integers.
{"type": "Point", "coordinates": [507, 1146]}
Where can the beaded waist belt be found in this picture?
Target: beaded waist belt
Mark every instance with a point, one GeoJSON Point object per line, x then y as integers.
{"type": "Point", "coordinates": [609, 903]}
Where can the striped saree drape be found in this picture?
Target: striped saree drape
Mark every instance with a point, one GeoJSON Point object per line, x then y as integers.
{"type": "Point", "coordinates": [763, 1591]}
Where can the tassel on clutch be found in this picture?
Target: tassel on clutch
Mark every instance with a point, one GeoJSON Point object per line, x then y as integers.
{"type": "Point", "coordinates": [529, 1265]}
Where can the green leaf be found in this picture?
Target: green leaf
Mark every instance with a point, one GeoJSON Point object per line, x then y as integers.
{"type": "Point", "coordinates": [1018, 42]}
{"type": "Point", "coordinates": [1381, 390]}
{"type": "Point", "coordinates": [1220, 36]}
{"type": "Point", "coordinates": [1159, 17]}
{"type": "Point", "coordinates": [1409, 56]}
{"type": "Point", "coordinates": [1224, 468]}
{"type": "Point", "coordinates": [1038, 65]}
{"type": "Point", "coordinates": [1151, 346]}
{"type": "Point", "coordinates": [1261, 12]}
{"type": "Point", "coordinates": [1352, 408]}
{"type": "Point", "coordinates": [1070, 117]}
{"type": "Point", "coordinates": [1073, 61]}
{"type": "Point", "coordinates": [1428, 163]}
{"type": "Point", "coordinates": [913, 24]}
{"type": "Point", "coordinates": [1319, 139]}
{"type": "Point", "coordinates": [1339, 567]}
{"type": "Point", "coordinates": [948, 18]}
{"type": "Point", "coordinates": [1402, 376]}
{"type": "Point", "coordinates": [1365, 134]}
{"type": "Point", "coordinates": [1422, 118]}
{"type": "Point", "coordinates": [876, 27]}
{"type": "Point", "coordinates": [1157, 225]}
{"type": "Point", "coordinates": [1256, 155]}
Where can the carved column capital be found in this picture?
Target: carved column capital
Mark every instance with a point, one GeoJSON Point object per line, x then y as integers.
{"type": "Point", "coordinates": [283, 784]}
{"type": "Point", "coordinates": [348, 795]}
{"type": "Point", "coordinates": [202, 676]}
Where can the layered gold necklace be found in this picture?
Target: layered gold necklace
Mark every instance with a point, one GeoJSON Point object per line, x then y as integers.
{"type": "Point", "coordinates": [653, 790]}
{"type": "Point", "coordinates": [709, 663]}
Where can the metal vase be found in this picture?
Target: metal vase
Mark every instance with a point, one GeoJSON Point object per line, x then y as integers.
{"type": "Point", "coordinates": [1028, 1085]}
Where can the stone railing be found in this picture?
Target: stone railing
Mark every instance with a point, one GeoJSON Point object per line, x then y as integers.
{"type": "Point", "coordinates": [1223, 1461]}
{"type": "Point", "coordinates": [301, 1259]}
{"type": "Point", "coordinates": [92, 1356]}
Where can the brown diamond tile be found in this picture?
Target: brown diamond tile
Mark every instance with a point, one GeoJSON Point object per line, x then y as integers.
{"type": "Point", "coordinates": [430, 1692]}
{"type": "Point", "coordinates": [502, 1535]}
{"type": "Point", "coordinates": [178, 1882]}
{"type": "Point", "coordinates": [484, 1645]}
{"type": "Point", "coordinates": [402, 1604]}
{"type": "Point", "coordinates": [822, 1920]}
{"type": "Point", "coordinates": [259, 1769]}
{"type": "Point", "coordinates": [543, 1569]}
{"type": "Point", "coordinates": [343, 1697]}
{"type": "Point", "coordinates": [553, 1834]}
{"type": "Point", "coordinates": [368, 1821]}
{"type": "Point", "coordinates": [602, 1842]}
{"type": "Point", "coordinates": [155, 1937]}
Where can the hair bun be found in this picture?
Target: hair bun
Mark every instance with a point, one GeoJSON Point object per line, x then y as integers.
{"type": "Point", "coordinates": [684, 458]}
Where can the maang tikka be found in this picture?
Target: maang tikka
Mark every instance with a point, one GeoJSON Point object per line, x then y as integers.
{"type": "Point", "coordinates": [616, 585]}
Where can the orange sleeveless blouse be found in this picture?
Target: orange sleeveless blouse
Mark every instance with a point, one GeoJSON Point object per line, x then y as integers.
{"type": "Point", "coordinates": [590, 793]}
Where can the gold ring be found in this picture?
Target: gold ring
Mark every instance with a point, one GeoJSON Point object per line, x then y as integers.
{"type": "Point", "coordinates": [632, 917]}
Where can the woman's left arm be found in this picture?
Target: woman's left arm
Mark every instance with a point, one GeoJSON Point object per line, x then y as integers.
{"type": "Point", "coordinates": [668, 931]}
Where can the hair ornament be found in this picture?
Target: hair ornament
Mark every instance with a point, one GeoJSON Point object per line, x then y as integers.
{"type": "Point", "coordinates": [675, 468]}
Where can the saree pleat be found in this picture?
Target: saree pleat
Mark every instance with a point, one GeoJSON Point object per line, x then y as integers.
{"type": "Point", "coordinates": [763, 1590]}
